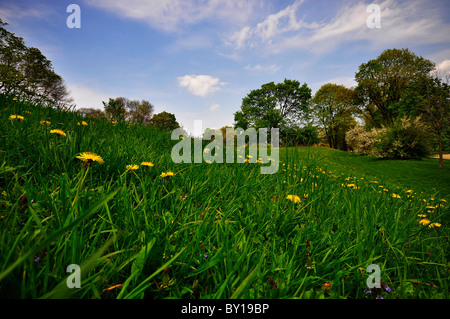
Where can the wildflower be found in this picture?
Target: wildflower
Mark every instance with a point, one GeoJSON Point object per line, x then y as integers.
{"type": "Point", "coordinates": [113, 122]}
{"type": "Point", "coordinates": [132, 167]}
{"type": "Point", "coordinates": [82, 123]}
{"type": "Point", "coordinates": [422, 215]}
{"type": "Point", "coordinates": [57, 131]}
{"type": "Point", "coordinates": [147, 164]}
{"type": "Point", "coordinates": [430, 207]}
{"type": "Point", "coordinates": [293, 198]}
{"type": "Point", "coordinates": [88, 158]}
{"type": "Point", "coordinates": [15, 99]}
{"type": "Point", "coordinates": [45, 122]}
{"type": "Point", "coordinates": [395, 195]}
{"type": "Point", "coordinates": [326, 285]}
{"type": "Point", "coordinates": [351, 185]}
{"type": "Point", "coordinates": [181, 137]}
{"type": "Point", "coordinates": [432, 225]}
{"type": "Point", "coordinates": [443, 200]}
{"type": "Point", "coordinates": [168, 174]}
{"type": "Point", "coordinates": [17, 117]}
{"type": "Point", "coordinates": [424, 221]}
{"type": "Point", "coordinates": [409, 191]}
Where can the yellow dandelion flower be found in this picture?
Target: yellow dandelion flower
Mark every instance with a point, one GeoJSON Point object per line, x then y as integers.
{"type": "Point", "coordinates": [396, 195]}
{"type": "Point", "coordinates": [15, 99]}
{"type": "Point", "coordinates": [409, 191]}
{"type": "Point", "coordinates": [181, 137]}
{"type": "Point", "coordinates": [82, 123]}
{"type": "Point", "coordinates": [147, 164]}
{"type": "Point", "coordinates": [422, 215]}
{"type": "Point", "coordinates": [424, 221]}
{"type": "Point", "coordinates": [58, 131]}
{"type": "Point", "coordinates": [443, 200]}
{"type": "Point", "coordinates": [88, 158]}
{"type": "Point", "coordinates": [432, 225]}
{"type": "Point", "coordinates": [351, 185]}
{"type": "Point", "coordinates": [132, 167]}
{"type": "Point", "coordinates": [45, 122]}
{"type": "Point", "coordinates": [294, 198]}
{"type": "Point", "coordinates": [168, 174]}
{"type": "Point", "coordinates": [16, 117]}
{"type": "Point", "coordinates": [430, 207]}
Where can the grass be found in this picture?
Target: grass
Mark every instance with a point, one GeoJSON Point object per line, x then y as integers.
{"type": "Point", "coordinates": [210, 230]}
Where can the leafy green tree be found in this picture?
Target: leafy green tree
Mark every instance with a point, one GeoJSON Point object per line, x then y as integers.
{"type": "Point", "coordinates": [274, 105]}
{"type": "Point", "coordinates": [26, 72]}
{"type": "Point", "coordinates": [332, 107]}
{"type": "Point", "coordinates": [164, 121]}
{"type": "Point", "coordinates": [115, 109]}
{"type": "Point", "coordinates": [384, 81]}
{"type": "Point", "coordinates": [432, 96]}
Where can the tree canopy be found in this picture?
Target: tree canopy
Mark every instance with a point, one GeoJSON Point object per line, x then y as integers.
{"type": "Point", "coordinates": [384, 81]}
{"type": "Point", "coordinates": [25, 72]}
{"type": "Point", "coordinates": [274, 105]}
{"type": "Point", "coordinates": [332, 107]}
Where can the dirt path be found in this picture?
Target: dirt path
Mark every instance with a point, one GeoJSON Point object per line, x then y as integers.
{"type": "Point", "coordinates": [446, 156]}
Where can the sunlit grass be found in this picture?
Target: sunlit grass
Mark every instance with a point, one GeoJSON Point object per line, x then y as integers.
{"type": "Point", "coordinates": [201, 230]}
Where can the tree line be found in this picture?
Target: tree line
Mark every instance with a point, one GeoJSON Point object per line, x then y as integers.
{"type": "Point", "coordinates": [132, 111]}
{"type": "Point", "coordinates": [401, 101]}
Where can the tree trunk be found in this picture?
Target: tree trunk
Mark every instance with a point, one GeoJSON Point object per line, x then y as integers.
{"type": "Point", "coordinates": [441, 155]}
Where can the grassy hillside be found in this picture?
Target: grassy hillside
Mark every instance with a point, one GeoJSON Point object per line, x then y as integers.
{"type": "Point", "coordinates": [210, 230]}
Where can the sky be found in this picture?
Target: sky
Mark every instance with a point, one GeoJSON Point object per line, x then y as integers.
{"type": "Point", "coordinates": [198, 59]}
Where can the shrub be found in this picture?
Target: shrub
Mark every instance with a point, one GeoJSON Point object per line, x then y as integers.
{"type": "Point", "coordinates": [406, 139]}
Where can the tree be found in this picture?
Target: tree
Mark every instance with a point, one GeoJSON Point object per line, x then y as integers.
{"type": "Point", "coordinates": [433, 95]}
{"type": "Point", "coordinates": [164, 121]}
{"type": "Point", "coordinates": [26, 72]}
{"type": "Point", "coordinates": [274, 105]}
{"type": "Point", "coordinates": [115, 109]}
{"type": "Point", "coordinates": [140, 112]}
{"type": "Point", "coordinates": [383, 82]}
{"type": "Point", "coordinates": [332, 107]}
{"type": "Point", "coordinates": [91, 113]}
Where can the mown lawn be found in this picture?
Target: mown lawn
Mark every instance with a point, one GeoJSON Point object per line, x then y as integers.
{"type": "Point", "coordinates": [419, 175]}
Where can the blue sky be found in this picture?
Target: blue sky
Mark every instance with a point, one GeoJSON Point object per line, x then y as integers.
{"type": "Point", "coordinates": [199, 58]}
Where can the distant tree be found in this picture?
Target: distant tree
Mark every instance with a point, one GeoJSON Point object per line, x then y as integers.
{"type": "Point", "coordinates": [332, 107]}
{"type": "Point", "coordinates": [383, 82]}
{"type": "Point", "coordinates": [164, 121]}
{"type": "Point", "coordinates": [140, 112]}
{"type": "Point", "coordinates": [274, 105]}
{"type": "Point", "coordinates": [114, 109]}
{"type": "Point", "coordinates": [92, 113]}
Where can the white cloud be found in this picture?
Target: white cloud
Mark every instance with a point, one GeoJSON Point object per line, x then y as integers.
{"type": "Point", "coordinates": [200, 85]}
{"type": "Point", "coordinates": [214, 107]}
{"type": "Point", "coordinates": [263, 68]}
{"type": "Point", "coordinates": [87, 97]}
{"type": "Point", "coordinates": [405, 22]}
{"type": "Point", "coordinates": [444, 67]}
{"type": "Point", "coordinates": [170, 15]}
